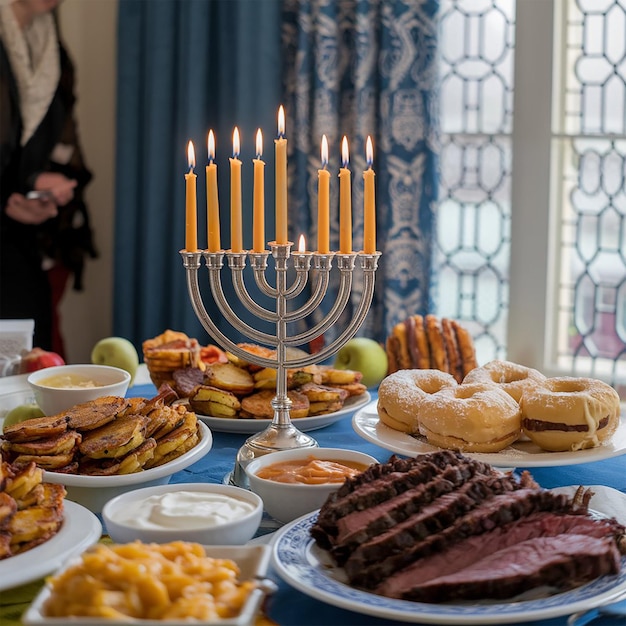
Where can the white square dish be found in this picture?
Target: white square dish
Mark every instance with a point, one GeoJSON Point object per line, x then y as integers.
{"type": "Point", "coordinates": [253, 562]}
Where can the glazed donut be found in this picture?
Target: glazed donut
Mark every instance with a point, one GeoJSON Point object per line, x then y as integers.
{"type": "Point", "coordinates": [513, 378]}
{"type": "Point", "coordinates": [477, 417]}
{"type": "Point", "coordinates": [567, 413]}
{"type": "Point", "coordinates": [400, 394]}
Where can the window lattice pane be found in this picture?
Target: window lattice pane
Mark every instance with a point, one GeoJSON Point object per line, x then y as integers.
{"type": "Point", "coordinates": [591, 325]}
{"type": "Point", "coordinates": [473, 236]}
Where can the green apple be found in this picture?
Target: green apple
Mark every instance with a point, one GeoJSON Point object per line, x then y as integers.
{"type": "Point", "coordinates": [116, 352]}
{"type": "Point", "coordinates": [366, 356]}
{"type": "Point", "coordinates": [22, 413]}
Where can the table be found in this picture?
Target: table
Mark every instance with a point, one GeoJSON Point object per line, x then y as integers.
{"type": "Point", "coordinates": [289, 607]}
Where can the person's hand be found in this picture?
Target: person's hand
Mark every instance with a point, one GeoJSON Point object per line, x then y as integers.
{"type": "Point", "coordinates": [30, 212]}
{"type": "Point", "coordinates": [61, 187]}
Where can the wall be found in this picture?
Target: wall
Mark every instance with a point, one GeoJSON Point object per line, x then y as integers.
{"type": "Point", "coordinates": [89, 29]}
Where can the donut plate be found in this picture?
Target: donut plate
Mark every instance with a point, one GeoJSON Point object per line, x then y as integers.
{"type": "Point", "coordinates": [523, 453]}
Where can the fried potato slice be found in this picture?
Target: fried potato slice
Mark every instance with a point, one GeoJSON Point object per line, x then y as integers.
{"type": "Point", "coordinates": [175, 438]}
{"type": "Point", "coordinates": [259, 406]}
{"type": "Point", "coordinates": [175, 416]}
{"type": "Point", "coordinates": [33, 498]}
{"type": "Point", "coordinates": [29, 524]}
{"type": "Point", "coordinates": [95, 413]}
{"type": "Point", "coordinates": [323, 393]}
{"type": "Point", "coordinates": [98, 467]}
{"type": "Point", "coordinates": [23, 480]}
{"type": "Point", "coordinates": [332, 376]}
{"type": "Point", "coordinates": [229, 377]}
{"type": "Point", "coordinates": [36, 428]}
{"type": "Point", "coordinates": [137, 458]}
{"type": "Point", "coordinates": [353, 389]}
{"type": "Point", "coordinates": [322, 408]}
{"type": "Point", "coordinates": [186, 445]}
{"type": "Point", "coordinates": [206, 397]}
{"type": "Point", "coordinates": [115, 439]}
{"type": "Point", "coordinates": [47, 462]}
{"type": "Point", "coordinates": [59, 444]}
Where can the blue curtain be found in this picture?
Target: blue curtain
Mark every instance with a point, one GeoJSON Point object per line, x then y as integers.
{"type": "Point", "coordinates": [184, 66]}
{"type": "Point", "coordinates": [341, 67]}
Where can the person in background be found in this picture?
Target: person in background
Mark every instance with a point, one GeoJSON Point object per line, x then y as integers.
{"type": "Point", "coordinates": [45, 234]}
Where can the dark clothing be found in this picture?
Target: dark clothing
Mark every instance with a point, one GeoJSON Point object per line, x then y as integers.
{"type": "Point", "coordinates": [24, 287]}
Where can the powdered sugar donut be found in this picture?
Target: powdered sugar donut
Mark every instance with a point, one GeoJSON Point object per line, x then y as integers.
{"type": "Point", "coordinates": [479, 417]}
{"type": "Point", "coordinates": [568, 413]}
{"type": "Point", "coordinates": [400, 394]}
{"type": "Point", "coordinates": [513, 378]}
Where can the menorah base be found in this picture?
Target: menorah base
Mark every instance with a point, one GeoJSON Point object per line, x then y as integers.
{"type": "Point", "coordinates": [274, 438]}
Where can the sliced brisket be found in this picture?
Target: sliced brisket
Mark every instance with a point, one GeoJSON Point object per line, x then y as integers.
{"type": "Point", "coordinates": [561, 562]}
{"type": "Point", "coordinates": [471, 550]}
{"type": "Point", "coordinates": [496, 511]}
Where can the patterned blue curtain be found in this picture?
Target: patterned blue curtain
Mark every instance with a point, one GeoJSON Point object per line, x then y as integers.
{"type": "Point", "coordinates": [359, 68]}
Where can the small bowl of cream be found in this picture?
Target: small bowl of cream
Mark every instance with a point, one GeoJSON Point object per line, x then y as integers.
{"type": "Point", "coordinates": [210, 514]}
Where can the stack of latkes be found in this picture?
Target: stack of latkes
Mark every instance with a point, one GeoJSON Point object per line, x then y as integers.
{"type": "Point", "coordinates": [168, 352]}
{"type": "Point", "coordinates": [103, 437]}
{"type": "Point", "coordinates": [174, 350]}
{"type": "Point", "coordinates": [431, 343]}
{"type": "Point", "coordinates": [31, 511]}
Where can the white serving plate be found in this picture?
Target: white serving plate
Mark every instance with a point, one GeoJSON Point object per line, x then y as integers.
{"type": "Point", "coordinates": [304, 424]}
{"type": "Point", "coordinates": [80, 529]}
{"type": "Point", "coordinates": [94, 491]}
{"type": "Point", "coordinates": [301, 563]}
{"type": "Point", "coordinates": [253, 562]}
{"type": "Point", "coordinates": [522, 453]}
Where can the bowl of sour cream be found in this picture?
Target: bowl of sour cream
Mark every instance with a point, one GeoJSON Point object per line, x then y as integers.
{"type": "Point", "coordinates": [210, 514]}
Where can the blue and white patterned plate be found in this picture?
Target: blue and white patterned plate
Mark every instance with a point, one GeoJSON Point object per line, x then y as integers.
{"type": "Point", "coordinates": [298, 561]}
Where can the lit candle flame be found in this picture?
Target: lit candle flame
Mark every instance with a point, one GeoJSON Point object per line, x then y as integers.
{"type": "Point", "coordinates": [301, 244]}
{"type": "Point", "coordinates": [211, 146]}
{"type": "Point", "coordinates": [191, 156]}
{"type": "Point", "coordinates": [369, 152]}
{"type": "Point", "coordinates": [236, 144]}
{"type": "Point", "coordinates": [324, 151]}
{"type": "Point", "coordinates": [281, 121]}
{"type": "Point", "coordinates": [259, 143]}
{"type": "Point", "coordinates": [345, 155]}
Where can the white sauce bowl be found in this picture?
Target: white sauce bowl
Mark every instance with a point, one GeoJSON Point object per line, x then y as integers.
{"type": "Point", "coordinates": [235, 531]}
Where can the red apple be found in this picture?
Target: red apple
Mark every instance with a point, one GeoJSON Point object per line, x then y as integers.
{"type": "Point", "coordinates": [38, 359]}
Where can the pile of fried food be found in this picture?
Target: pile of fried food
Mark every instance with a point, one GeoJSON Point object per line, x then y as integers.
{"type": "Point", "coordinates": [31, 511]}
{"type": "Point", "coordinates": [230, 387]}
{"type": "Point", "coordinates": [103, 437]}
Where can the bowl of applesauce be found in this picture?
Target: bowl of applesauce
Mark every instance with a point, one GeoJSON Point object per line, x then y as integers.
{"type": "Point", "coordinates": [293, 483]}
{"type": "Point", "coordinates": [56, 389]}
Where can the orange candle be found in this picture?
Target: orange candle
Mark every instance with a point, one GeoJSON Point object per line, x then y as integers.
{"type": "Point", "coordinates": [212, 202]}
{"type": "Point", "coordinates": [323, 202]}
{"type": "Point", "coordinates": [258, 200]}
{"type": "Point", "coordinates": [369, 202]}
{"type": "Point", "coordinates": [236, 243]}
{"type": "Point", "coordinates": [281, 179]}
{"type": "Point", "coordinates": [345, 202]}
{"type": "Point", "coordinates": [191, 227]}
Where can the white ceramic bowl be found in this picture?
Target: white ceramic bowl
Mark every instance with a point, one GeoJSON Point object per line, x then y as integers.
{"type": "Point", "coordinates": [253, 563]}
{"type": "Point", "coordinates": [235, 532]}
{"type": "Point", "coordinates": [287, 501]}
{"type": "Point", "coordinates": [112, 381]}
{"type": "Point", "coordinates": [93, 492]}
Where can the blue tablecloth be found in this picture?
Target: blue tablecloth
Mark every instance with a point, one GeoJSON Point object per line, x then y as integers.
{"type": "Point", "coordinates": [289, 607]}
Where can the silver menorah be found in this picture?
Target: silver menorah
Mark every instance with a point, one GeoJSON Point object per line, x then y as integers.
{"type": "Point", "coordinates": [281, 434]}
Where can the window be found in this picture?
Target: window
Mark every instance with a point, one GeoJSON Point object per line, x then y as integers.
{"type": "Point", "coordinates": [532, 214]}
